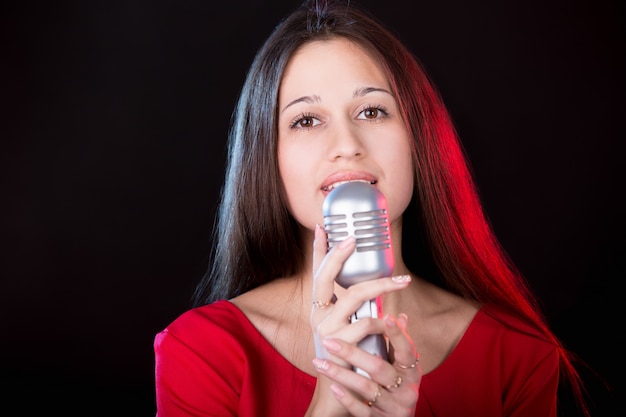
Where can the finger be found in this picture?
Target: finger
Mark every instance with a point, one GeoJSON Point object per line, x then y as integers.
{"type": "Point", "coordinates": [327, 264]}
{"type": "Point", "coordinates": [320, 247]}
{"type": "Point", "coordinates": [352, 404]}
{"type": "Point", "coordinates": [346, 387]}
{"type": "Point", "coordinates": [379, 370]}
{"type": "Point", "coordinates": [356, 331]}
{"type": "Point", "coordinates": [358, 294]}
{"type": "Point", "coordinates": [363, 396]}
{"type": "Point", "coordinates": [402, 351]}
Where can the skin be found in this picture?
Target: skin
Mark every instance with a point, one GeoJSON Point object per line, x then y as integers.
{"type": "Point", "coordinates": [338, 120]}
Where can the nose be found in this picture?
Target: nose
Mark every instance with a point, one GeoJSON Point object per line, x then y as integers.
{"type": "Point", "coordinates": [346, 143]}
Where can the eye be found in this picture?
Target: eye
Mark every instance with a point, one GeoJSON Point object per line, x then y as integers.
{"type": "Point", "coordinates": [304, 121]}
{"type": "Point", "coordinates": [373, 113]}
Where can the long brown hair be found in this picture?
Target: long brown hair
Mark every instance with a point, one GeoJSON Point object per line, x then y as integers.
{"type": "Point", "coordinates": [446, 236]}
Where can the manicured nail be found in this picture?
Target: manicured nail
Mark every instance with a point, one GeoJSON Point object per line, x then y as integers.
{"type": "Point", "coordinates": [331, 345]}
{"type": "Point", "coordinates": [320, 364]}
{"type": "Point", "coordinates": [318, 231]}
{"type": "Point", "coordinates": [401, 279]}
{"type": "Point", "coordinates": [346, 242]}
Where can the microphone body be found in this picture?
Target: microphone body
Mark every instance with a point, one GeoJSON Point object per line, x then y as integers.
{"type": "Point", "coordinates": [359, 209]}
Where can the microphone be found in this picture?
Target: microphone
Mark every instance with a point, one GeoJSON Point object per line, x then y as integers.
{"type": "Point", "coordinates": [359, 209]}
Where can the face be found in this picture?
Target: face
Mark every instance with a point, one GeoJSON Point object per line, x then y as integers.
{"type": "Point", "coordinates": [338, 121]}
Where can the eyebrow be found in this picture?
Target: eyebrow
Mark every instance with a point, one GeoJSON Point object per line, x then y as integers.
{"type": "Point", "coordinates": [359, 92]}
{"type": "Point", "coordinates": [304, 99]}
{"type": "Point", "coordinates": [366, 90]}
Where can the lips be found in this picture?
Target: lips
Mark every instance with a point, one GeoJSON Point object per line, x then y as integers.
{"type": "Point", "coordinates": [337, 179]}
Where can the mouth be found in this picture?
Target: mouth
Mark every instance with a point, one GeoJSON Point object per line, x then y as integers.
{"type": "Point", "coordinates": [330, 187]}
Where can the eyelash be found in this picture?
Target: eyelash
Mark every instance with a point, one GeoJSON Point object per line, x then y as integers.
{"type": "Point", "coordinates": [377, 108]}
{"type": "Point", "coordinates": [295, 123]}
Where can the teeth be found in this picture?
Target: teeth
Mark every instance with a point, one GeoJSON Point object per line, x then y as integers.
{"type": "Point", "coordinates": [337, 184]}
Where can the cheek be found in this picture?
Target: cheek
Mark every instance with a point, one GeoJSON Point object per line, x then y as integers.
{"type": "Point", "coordinates": [296, 173]}
{"type": "Point", "coordinates": [401, 181]}
{"type": "Point", "coordinates": [401, 193]}
{"type": "Point", "coordinates": [401, 197]}
{"type": "Point", "coordinates": [289, 167]}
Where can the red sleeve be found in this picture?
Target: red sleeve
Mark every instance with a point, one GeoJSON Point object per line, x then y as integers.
{"type": "Point", "coordinates": [198, 369]}
{"type": "Point", "coordinates": [534, 391]}
{"type": "Point", "coordinates": [211, 361]}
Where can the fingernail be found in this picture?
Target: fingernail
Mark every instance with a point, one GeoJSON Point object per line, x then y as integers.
{"type": "Point", "coordinates": [331, 345]}
{"type": "Point", "coordinates": [401, 279]}
{"type": "Point", "coordinates": [318, 231]}
{"type": "Point", "coordinates": [320, 364]}
{"type": "Point", "coordinates": [389, 321]}
{"type": "Point", "coordinates": [346, 242]}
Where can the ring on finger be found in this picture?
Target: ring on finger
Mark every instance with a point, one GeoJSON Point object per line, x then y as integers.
{"type": "Point", "coordinates": [396, 383]}
{"type": "Point", "coordinates": [324, 304]}
{"type": "Point", "coordinates": [321, 304]}
{"type": "Point", "coordinates": [411, 366]}
{"type": "Point", "coordinates": [376, 395]}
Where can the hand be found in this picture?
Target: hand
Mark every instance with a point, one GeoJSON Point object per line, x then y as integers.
{"type": "Point", "coordinates": [393, 388]}
{"type": "Point", "coordinates": [330, 323]}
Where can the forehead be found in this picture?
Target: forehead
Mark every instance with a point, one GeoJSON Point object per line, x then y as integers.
{"type": "Point", "coordinates": [332, 59]}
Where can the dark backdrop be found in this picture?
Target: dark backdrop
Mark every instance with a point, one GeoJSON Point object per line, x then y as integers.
{"type": "Point", "coordinates": [115, 115]}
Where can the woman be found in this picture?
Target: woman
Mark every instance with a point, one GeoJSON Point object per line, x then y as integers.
{"type": "Point", "coordinates": [332, 96]}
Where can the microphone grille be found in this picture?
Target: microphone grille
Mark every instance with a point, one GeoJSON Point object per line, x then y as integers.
{"type": "Point", "coordinates": [369, 228]}
{"type": "Point", "coordinates": [359, 209]}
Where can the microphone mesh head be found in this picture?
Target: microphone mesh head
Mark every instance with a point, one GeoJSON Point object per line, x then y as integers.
{"type": "Point", "coordinates": [360, 209]}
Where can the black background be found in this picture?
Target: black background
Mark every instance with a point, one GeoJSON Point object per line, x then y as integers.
{"type": "Point", "coordinates": [115, 116]}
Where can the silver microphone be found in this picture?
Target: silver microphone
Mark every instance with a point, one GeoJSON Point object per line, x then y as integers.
{"type": "Point", "coordinates": [360, 209]}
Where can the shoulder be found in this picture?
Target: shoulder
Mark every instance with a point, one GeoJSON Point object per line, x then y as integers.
{"type": "Point", "coordinates": [528, 361]}
{"type": "Point", "coordinates": [214, 315]}
{"type": "Point", "coordinates": [498, 341]}
{"type": "Point", "coordinates": [501, 364]}
{"type": "Point", "coordinates": [216, 336]}
{"type": "Point", "coordinates": [202, 360]}
{"type": "Point", "coordinates": [493, 317]}
{"type": "Point", "coordinates": [512, 337]}
{"type": "Point", "coordinates": [198, 326]}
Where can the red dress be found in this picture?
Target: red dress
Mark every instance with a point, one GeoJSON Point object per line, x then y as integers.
{"type": "Point", "coordinates": [211, 361]}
